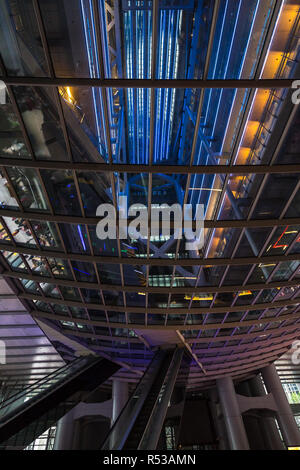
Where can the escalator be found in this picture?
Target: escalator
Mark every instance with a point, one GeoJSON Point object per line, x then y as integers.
{"type": "Point", "coordinates": [140, 422]}
{"type": "Point", "coordinates": [60, 390]}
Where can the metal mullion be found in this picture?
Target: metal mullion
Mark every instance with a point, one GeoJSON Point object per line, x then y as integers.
{"type": "Point", "coordinates": [15, 194]}
{"type": "Point", "coordinates": [155, 11]}
{"type": "Point", "coordinates": [75, 178]}
{"type": "Point", "coordinates": [265, 310]}
{"type": "Point", "coordinates": [28, 223]}
{"type": "Point", "coordinates": [269, 238]}
{"type": "Point", "coordinates": [113, 187]}
{"type": "Point", "coordinates": [157, 261]}
{"type": "Point", "coordinates": [42, 34]}
{"type": "Point", "coordinates": [208, 223]}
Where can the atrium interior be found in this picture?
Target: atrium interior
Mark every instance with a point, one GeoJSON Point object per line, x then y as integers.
{"type": "Point", "coordinates": [139, 341]}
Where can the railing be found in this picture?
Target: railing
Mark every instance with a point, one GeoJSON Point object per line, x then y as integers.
{"type": "Point", "coordinates": [152, 432]}
{"type": "Point", "coordinates": [16, 403]}
{"type": "Point", "coordinates": [123, 425]}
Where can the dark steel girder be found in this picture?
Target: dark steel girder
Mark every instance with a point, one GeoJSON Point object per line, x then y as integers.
{"type": "Point", "coordinates": [148, 83]}
{"type": "Point", "coordinates": [167, 169]}
{"type": "Point", "coordinates": [163, 310]}
{"type": "Point", "coordinates": [153, 261]}
{"type": "Point", "coordinates": [70, 219]}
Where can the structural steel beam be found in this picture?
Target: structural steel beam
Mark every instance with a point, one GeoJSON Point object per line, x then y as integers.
{"type": "Point", "coordinates": [153, 261]}
{"type": "Point", "coordinates": [148, 83]}
{"type": "Point", "coordinates": [70, 219]}
{"type": "Point", "coordinates": [163, 310]}
{"type": "Point", "coordinates": [150, 289]}
{"type": "Point", "coordinates": [166, 169]}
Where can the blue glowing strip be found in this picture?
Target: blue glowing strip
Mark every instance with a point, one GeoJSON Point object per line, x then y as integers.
{"type": "Point", "coordinates": [166, 35]}
{"type": "Point", "coordinates": [81, 237]}
{"type": "Point", "coordinates": [239, 76]}
{"type": "Point", "coordinates": [92, 70]}
{"type": "Point", "coordinates": [220, 97]}
{"type": "Point", "coordinates": [245, 53]}
{"type": "Point", "coordinates": [83, 272]}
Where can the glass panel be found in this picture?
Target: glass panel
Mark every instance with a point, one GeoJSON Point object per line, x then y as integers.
{"type": "Point", "coordinates": [11, 139]}
{"type": "Point", "coordinates": [8, 200]}
{"type": "Point", "coordinates": [83, 112]}
{"type": "Point", "coordinates": [62, 193]}
{"type": "Point", "coordinates": [15, 261]}
{"type": "Point", "coordinates": [271, 203]}
{"type": "Point", "coordinates": [4, 237]}
{"type": "Point", "coordinates": [75, 238]}
{"type": "Point", "coordinates": [47, 235]}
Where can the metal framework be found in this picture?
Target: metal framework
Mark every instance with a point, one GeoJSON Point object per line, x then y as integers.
{"type": "Point", "coordinates": [157, 133]}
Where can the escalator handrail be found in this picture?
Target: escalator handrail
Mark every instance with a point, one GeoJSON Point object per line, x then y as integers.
{"type": "Point", "coordinates": [107, 439]}
{"type": "Point", "coordinates": [158, 413]}
{"type": "Point", "coordinates": [38, 383]}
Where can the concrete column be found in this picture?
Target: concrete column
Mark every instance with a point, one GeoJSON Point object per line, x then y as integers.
{"type": "Point", "coordinates": [268, 424]}
{"type": "Point", "coordinates": [64, 432]}
{"type": "Point", "coordinates": [219, 425]}
{"type": "Point", "coordinates": [286, 420]}
{"type": "Point", "coordinates": [119, 396]}
{"type": "Point", "coordinates": [233, 419]}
